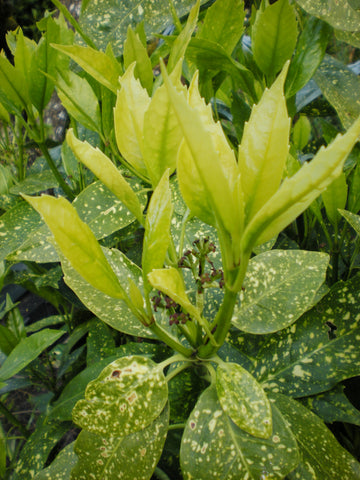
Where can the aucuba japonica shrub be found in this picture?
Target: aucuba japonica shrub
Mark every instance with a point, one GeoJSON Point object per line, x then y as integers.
{"type": "Point", "coordinates": [235, 335]}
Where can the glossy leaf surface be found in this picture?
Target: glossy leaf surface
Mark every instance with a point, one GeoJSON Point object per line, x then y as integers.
{"type": "Point", "coordinates": [214, 447]}
{"type": "Point", "coordinates": [353, 219]}
{"type": "Point", "coordinates": [274, 36]}
{"type": "Point", "coordinates": [338, 13]}
{"type": "Point", "coordinates": [126, 457]}
{"type": "Point", "coordinates": [264, 147]}
{"type": "Point", "coordinates": [244, 400]}
{"type": "Point", "coordinates": [61, 467]}
{"type": "Point", "coordinates": [298, 192]}
{"type": "Point", "coordinates": [126, 397]}
{"type": "Point", "coordinates": [280, 285]}
{"type": "Point", "coordinates": [322, 456]}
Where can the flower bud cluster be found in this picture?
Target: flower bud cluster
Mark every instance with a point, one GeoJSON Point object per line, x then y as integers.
{"type": "Point", "coordinates": [176, 314]}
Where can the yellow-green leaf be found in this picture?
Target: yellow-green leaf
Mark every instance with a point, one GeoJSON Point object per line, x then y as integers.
{"type": "Point", "coordinates": [264, 147]}
{"type": "Point", "coordinates": [131, 105]}
{"type": "Point", "coordinates": [77, 243]}
{"type": "Point", "coordinates": [335, 197]}
{"type": "Point", "coordinates": [134, 51]}
{"type": "Point", "coordinates": [106, 171]}
{"type": "Point", "coordinates": [299, 191]}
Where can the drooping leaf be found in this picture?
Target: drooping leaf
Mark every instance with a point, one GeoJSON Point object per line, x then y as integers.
{"type": "Point", "coordinates": [341, 87]}
{"type": "Point", "coordinates": [334, 197]}
{"type": "Point", "coordinates": [106, 171]}
{"type": "Point", "coordinates": [127, 396]}
{"type": "Point", "coordinates": [109, 21]}
{"type": "Point", "coordinates": [304, 359]}
{"type": "Point", "coordinates": [126, 457]}
{"type": "Point", "coordinates": [264, 147]}
{"type": "Point", "coordinates": [99, 65]}
{"type": "Point", "coordinates": [157, 228]}
{"type": "Point", "coordinates": [280, 285]}
{"type": "Point", "coordinates": [77, 243]}
{"type": "Point", "coordinates": [61, 467]}
{"type": "Point", "coordinates": [298, 192]}
{"type": "Point", "coordinates": [37, 449]}
{"type": "Point", "coordinates": [322, 456]}
{"type": "Point", "coordinates": [339, 13]}
{"type": "Point", "coordinates": [214, 447]}
{"type": "Point", "coordinates": [134, 51]}
{"type": "Point", "coordinates": [27, 350]}
{"type": "Point", "coordinates": [244, 400]}
{"type": "Point", "coordinates": [224, 23]}
{"type": "Point", "coordinates": [274, 36]}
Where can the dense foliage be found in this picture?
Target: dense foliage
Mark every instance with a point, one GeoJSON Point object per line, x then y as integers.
{"type": "Point", "coordinates": [196, 235]}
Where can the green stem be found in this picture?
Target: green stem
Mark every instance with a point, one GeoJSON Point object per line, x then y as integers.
{"type": "Point", "coordinates": [13, 420]}
{"type": "Point", "coordinates": [176, 20]}
{"type": "Point", "coordinates": [67, 190]}
{"type": "Point", "coordinates": [171, 341]}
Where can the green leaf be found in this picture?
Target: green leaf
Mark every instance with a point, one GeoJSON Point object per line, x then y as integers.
{"type": "Point", "coordinates": [109, 21]}
{"type": "Point", "coordinates": [352, 219]}
{"type": "Point", "coordinates": [305, 359]}
{"type": "Point", "coordinates": [61, 467]}
{"type": "Point", "coordinates": [106, 171]}
{"type": "Point", "coordinates": [338, 13]}
{"type": "Point", "coordinates": [309, 53]}
{"type": "Point", "coordinates": [8, 340]}
{"type": "Point", "coordinates": [100, 343]}
{"type": "Point", "coordinates": [301, 135]}
{"type": "Point", "coordinates": [214, 447]}
{"type": "Point", "coordinates": [244, 400]}
{"type": "Point", "coordinates": [126, 457]}
{"type": "Point", "coordinates": [334, 198]}
{"type": "Point", "coordinates": [322, 456]}
{"type": "Point", "coordinates": [79, 99]}
{"type": "Point", "coordinates": [274, 36]}
{"type": "Point", "coordinates": [162, 133]}
{"type": "Point", "coordinates": [78, 243]}
{"type": "Point", "coordinates": [37, 448]}
{"type": "Point", "coordinates": [179, 47]}
{"type": "Point", "coordinates": [35, 183]}
{"type": "Point", "coordinates": [224, 24]}
{"type": "Point", "coordinates": [341, 87]}
{"type": "Point", "coordinates": [128, 395]}
{"type": "Point", "coordinates": [109, 309]}
{"type": "Point", "coordinates": [285, 289]}
{"type": "Point", "coordinates": [12, 81]}
{"type": "Point", "coordinates": [298, 192]}
{"type": "Point", "coordinates": [333, 406]}
{"type": "Point", "coordinates": [104, 68]}
{"type": "Point", "coordinates": [352, 38]}
{"type": "Point", "coordinates": [157, 228]}
{"type": "Point", "coordinates": [134, 51]}
{"type": "Point", "coordinates": [27, 350]}
{"type": "Point", "coordinates": [264, 147]}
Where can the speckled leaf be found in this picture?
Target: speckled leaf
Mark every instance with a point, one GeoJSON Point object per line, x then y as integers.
{"type": "Point", "coordinates": [280, 285]}
{"type": "Point", "coordinates": [107, 20]}
{"type": "Point", "coordinates": [78, 243]}
{"type": "Point", "coordinates": [353, 219]}
{"type": "Point", "coordinates": [319, 350]}
{"type": "Point", "coordinates": [127, 396]}
{"type": "Point", "coordinates": [310, 51]}
{"type": "Point", "coordinates": [333, 406]}
{"type": "Point", "coordinates": [61, 467]}
{"type": "Point", "coordinates": [105, 170]}
{"type": "Point", "coordinates": [131, 104]}
{"type": "Point", "coordinates": [274, 36]}
{"type": "Point", "coordinates": [79, 99]}
{"type": "Point", "coordinates": [157, 228]}
{"type": "Point", "coordinates": [353, 38]}
{"type": "Point", "coordinates": [341, 87]}
{"type": "Point", "coordinates": [223, 23]}
{"type": "Point", "coordinates": [336, 12]}
{"type": "Point", "coordinates": [264, 147]}
{"type": "Point", "coordinates": [132, 457]}
{"type": "Point", "coordinates": [35, 183]}
{"type": "Point", "coordinates": [214, 447]}
{"type": "Point", "coordinates": [135, 51]}
{"type": "Point", "coordinates": [36, 248]}
{"type": "Point", "coordinates": [37, 449]}
{"type": "Point", "coordinates": [27, 350]}
{"type": "Point", "coordinates": [100, 343]}
{"type": "Point", "coordinates": [334, 197]}
{"type": "Point", "coordinates": [17, 224]}
{"type": "Point", "coordinates": [322, 456]}
{"type": "Point", "coordinates": [298, 192]}
{"type": "Point", "coordinates": [243, 399]}
{"type": "Point", "coordinates": [110, 310]}
{"type": "Point", "coordinates": [104, 68]}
